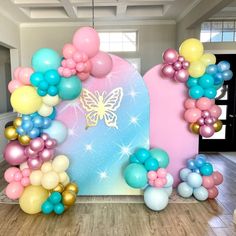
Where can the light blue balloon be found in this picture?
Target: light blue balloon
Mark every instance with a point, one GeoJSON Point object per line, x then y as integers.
{"type": "Point", "coordinates": [201, 156]}
{"type": "Point", "coordinates": [57, 131]}
{"type": "Point", "coordinates": [161, 156]}
{"type": "Point", "coordinates": [194, 180]}
{"type": "Point", "coordinates": [34, 133]}
{"type": "Point", "coordinates": [53, 115]}
{"type": "Point", "coordinates": [210, 93]}
{"type": "Point", "coordinates": [170, 180]}
{"type": "Point", "coordinates": [218, 78]}
{"type": "Point", "coordinates": [142, 154]}
{"type": "Point", "coordinates": [168, 190]}
{"type": "Point", "coordinates": [27, 125]}
{"type": "Point", "coordinates": [156, 198]}
{"type": "Point", "coordinates": [191, 164]}
{"type": "Point", "coordinates": [206, 81]}
{"type": "Point", "coordinates": [223, 66]}
{"type": "Point", "coordinates": [136, 175]}
{"type": "Point", "coordinates": [45, 59]}
{"type": "Point", "coordinates": [227, 75]}
{"type": "Point", "coordinates": [196, 92]}
{"type": "Point", "coordinates": [20, 131]}
{"type": "Point", "coordinates": [46, 123]}
{"type": "Point", "coordinates": [200, 160]}
{"type": "Point", "coordinates": [38, 121]}
{"type": "Point", "coordinates": [211, 69]}
{"type": "Point", "coordinates": [184, 173]}
{"type": "Point", "coordinates": [184, 190]}
{"type": "Point", "coordinates": [201, 193]}
{"type": "Point", "coordinates": [192, 82]}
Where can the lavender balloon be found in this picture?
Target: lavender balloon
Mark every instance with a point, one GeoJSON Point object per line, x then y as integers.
{"type": "Point", "coordinates": [37, 144]}
{"type": "Point", "coordinates": [181, 76]}
{"type": "Point", "coordinates": [170, 56]}
{"type": "Point", "coordinates": [34, 163]}
{"type": "Point", "coordinates": [14, 153]}
{"type": "Point", "coordinates": [168, 71]}
{"type": "Point", "coordinates": [206, 131]}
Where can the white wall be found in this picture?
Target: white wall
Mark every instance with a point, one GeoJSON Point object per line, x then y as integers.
{"type": "Point", "coordinates": [153, 40]}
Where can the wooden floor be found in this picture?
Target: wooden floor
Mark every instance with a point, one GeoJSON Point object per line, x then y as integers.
{"type": "Point", "coordinates": [207, 218]}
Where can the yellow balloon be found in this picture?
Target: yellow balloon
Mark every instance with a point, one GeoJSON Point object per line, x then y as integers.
{"type": "Point", "coordinates": [59, 188]}
{"type": "Point", "coordinates": [60, 163]}
{"type": "Point", "coordinates": [68, 198]}
{"type": "Point", "coordinates": [208, 59]}
{"type": "Point", "coordinates": [36, 177]}
{"type": "Point", "coordinates": [45, 110]}
{"type": "Point", "coordinates": [24, 140]}
{"type": "Point", "coordinates": [17, 122]}
{"type": "Point", "coordinates": [218, 125]}
{"type": "Point", "coordinates": [72, 187]}
{"type": "Point", "coordinates": [196, 69]}
{"type": "Point", "coordinates": [46, 167]}
{"type": "Point", "coordinates": [63, 177]}
{"type": "Point", "coordinates": [10, 133]}
{"type": "Point", "coordinates": [51, 100]}
{"type": "Point", "coordinates": [32, 199]}
{"type": "Point", "coordinates": [25, 100]}
{"type": "Point", "coordinates": [67, 181]}
{"type": "Point", "coordinates": [24, 165]}
{"type": "Point", "coordinates": [194, 127]}
{"type": "Point", "coordinates": [191, 49]}
{"type": "Point", "coordinates": [50, 180]}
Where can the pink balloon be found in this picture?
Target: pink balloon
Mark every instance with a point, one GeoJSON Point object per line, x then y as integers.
{"type": "Point", "coordinates": [158, 183]}
{"type": "Point", "coordinates": [26, 172]}
{"type": "Point", "coordinates": [204, 103]}
{"type": "Point", "coordinates": [151, 182]}
{"type": "Point", "coordinates": [101, 64]}
{"type": "Point", "coordinates": [168, 71]}
{"type": "Point", "coordinates": [208, 182]}
{"type": "Point", "coordinates": [215, 111]}
{"type": "Point", "coordinates": [16, 73]}
{"type": "Point", "coordinates": [70, 63]}
{"type": "Point", "coordinates": [34, 163]}
{"type": "Point", "coordinates": [45, 137]}
{"type": "Point", "coordinates": [218, 177]}
{"type": "Point", "coordinates": [9, 174]}
{"type": "Point", "coordinates": [78, 57]}
{"type": "Point", "coordinates": [14, 190]}
{"type": "Point", "coordinates": [177, 65]}
{"type": "Point", "coordinates": [206, 131]}
{"type": "Point", "coordinates": [152, 175]}
{"type": "Point", "coordinates": [185, 65]}
{"type": "Point", "coordinates": [24, 75]}
{"type": "Point", "coordinates": [25, 181]}
{"type": "Point", "coordinates": [68, 50]}
{"type": "Point", "coordinates": [213, 192]}
{"type": "Point", "coordinates": [18, 176]}
{"type": "Point", "coordinates": [14, 153]}
{"type": "Point", "coordinates": [205, 114]}
{"type": "Point", "coordinates": [181, 75]}
{"type": "Point", "coordinates": [37, 144]}
{"type": "Point", "coordinates": [86, 40]}
{"type": "Point", "coordinates": [60, 70]}
{"type": "Point", "coordinates": [190, 103]}
{"type": "Point", "coordinates": [88, 66]}
{"type": "Point", "coordinates": [201, 121]}
{"type": "Point", "coordinates": [181, 59]}
{"type": "Point", "coordinates": [209, 121]}
{"type": "Point", "coordinates": [161, 173]}
{"type": "Point", "coordinates": [13, 85]}
{"type": "Point", "coordinates": [66, 73]}
{"type": "Point", "coordinates": [164, 181]}
{"type": "Point", "coordinates": [192, 115]}
{"type": "Point", "coordinates": [170, 56]}
{"type": "Point", "coordinates": [83, 76]}
{"type": "Point", "coordinates": [30, 153]}
{"type": "Point", "coordinates": [46, 154]}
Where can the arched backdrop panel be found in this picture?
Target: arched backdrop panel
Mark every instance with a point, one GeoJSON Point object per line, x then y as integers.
{"type": "Point", "coordinates": [168, 129]}
{"type": "Point", "coordinates": [98, 155]}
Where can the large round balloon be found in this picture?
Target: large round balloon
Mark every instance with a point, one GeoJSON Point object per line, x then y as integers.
{"type": "Point", "coordinates": [191, 49]}
{"type": "Point", "coordinates": [32, 199]}
{"type": "Point", "coordinates": [161, 156]}
{"type": "Point", "coordinates": [86, 40]}
{"type": "Point", "coordinates": [185, 190]}
{"type": "Point", "coordinates": [155, 198]}
{"type": "Point", "coordinates": [69, 88]}
{"type": "Point", "coordinates": [45, 59]}
{"type": "Point", "coordinates": [57, 131]}
{"type": "Point", "coordinates": [25, 100]}
{"type": "Point", "coordinates": [136, 175]}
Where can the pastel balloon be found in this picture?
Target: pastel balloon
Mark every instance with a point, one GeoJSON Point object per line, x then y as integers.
{"type": "Point", "coordinates": [46, 154]}
{"type": "Point", "coordinates": [101, 64]}
{"type": "Point", "coordinates": [218, 177]}
{"type": "Point", "coordinates": [208, 59]}
{"type": "Point", "coordinates": [161, 173]}
{"type": "Point", "coordinates": [170, 180]}
{"type": "Point", "coordinates": [161, 156]}
{"type": "Point", "coordinates": [211, 69]}
{"type": "Point", "coordinates": [36, 177]}
{"type": "Point", "coordinates": [34, 163]}
{"type": "Point", "coordinates": [25, 100]}
{"type": "Point", "coordinates": [191, 49]}
{"type": "Point", "coordinates": [37, 144]}
{"type": "Point", "coordinates": [60, 163]}
{"type": "Point", "coordinates": [191, 164]}
{"type": "Point", "coordinates": [45, 59]}
{"type": "Point", "coordinates": [13, 85]}
{"type": "Point", "coordinates": [227, 75]}
{"type": "Point", "coordinates": [46, 167]}
{"type": "Point", "coordinates": [86, 40]}
{"type": "Point", "coordinates": [194, 180]}
{"type": "Point", "coordinates": [51, 100]}
{"type": "Point", "coordinates": [170, 56]}
{"type": "Point", "coordinates": [208, 182]}
{"type": "Point", "coordinates": [10, 173]}
{"type": "Point", "coordinates": [207, 131]}
{"type": "Point", "coordinates": [196, 69]}
{"type": "Point", "coordinates": [192, 115]}
{"type": "Point", "coordinates": [201, 193]}
{"type": "Point", "coordinates": [184, 190]}
{"type": "Point", "coordinates": [190, 103]}
{"type": "Point", "coordinates": [32, 199]}
{"type": "Point", "coordinates": [168, 190]}
{"type": "Point", "coordinates": [215, 111]}
{"type": "Point", "coordinates": [68, 50]}
{"type": "Point", "coordinates": [45, 110]}
{"type": "Point", "coordinates": [24, 75]}
{"type": "Point", "coordinates": [152, 175]}
{"type": "Point", "coordinates": [223, 66]}
{"type": "Point", "coordinates": [181, 75]}
{"type": "Point", "coordinates": [14, 153]}
{"type": "Point", "coordinates": [168, 71]}
{"type": "Point", "coordinates": [50, 180]}
{"type": "Point", "coordinates": [204, 103]}
{"type": "Point", "coordinates": [184, 173]}
{"type": "Point", "coordinates": [213, 192]}
{"type": "Point", "coordinates": [14, 190]}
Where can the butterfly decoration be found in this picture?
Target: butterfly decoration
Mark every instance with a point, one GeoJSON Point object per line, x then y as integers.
{"type": "Point", "coordinates": [101, 106]}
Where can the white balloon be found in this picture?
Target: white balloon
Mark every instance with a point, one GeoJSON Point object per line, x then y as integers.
{"type": "Point", "coordinates": [45, 110]}
{"type": "Point", "coordinates": [46, 167]}
{"type": "Point", "coordinates": [60, 163]}
{"type": "Point", "coordinates": [50, 180]}
{"type": "Point", "coordinates": [51, 100]}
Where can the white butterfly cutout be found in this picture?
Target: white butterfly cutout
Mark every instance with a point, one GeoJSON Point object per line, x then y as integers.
{"type": "Point", "coordinates": [101, 106]}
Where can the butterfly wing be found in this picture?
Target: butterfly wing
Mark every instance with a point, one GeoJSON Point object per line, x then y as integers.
{"type": "Point", "coordinates": [110, 119]}
{"type": "Point", "coordinates": [91, 119]}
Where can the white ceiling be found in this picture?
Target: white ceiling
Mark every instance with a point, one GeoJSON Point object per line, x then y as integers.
{"type": "Point", "coordinates": [228, 12]}
{"type": "Point", "coordinates": [30, 11]}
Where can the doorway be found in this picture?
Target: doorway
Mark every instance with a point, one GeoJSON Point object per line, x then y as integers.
{"type": "Point", "coordinates": [224, 140]}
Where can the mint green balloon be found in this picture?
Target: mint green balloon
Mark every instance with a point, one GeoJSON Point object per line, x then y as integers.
{"type": "Point", "coordinates": [69, 88]}
{"type": "Point", "coordinates": [45, 59]}
{"type": "Point", "coordinates": [136, 175]}
{"type": "Point", "coordinates": [161, 156]}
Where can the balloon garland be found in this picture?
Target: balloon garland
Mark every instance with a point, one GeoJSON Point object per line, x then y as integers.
{"type": "Point", "coordinates": [202, 77]}
{"type": "Point", "coordinates": [38, 177]}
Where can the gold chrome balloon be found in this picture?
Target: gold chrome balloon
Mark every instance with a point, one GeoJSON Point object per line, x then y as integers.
{"type": "Point", "coordinates": [24, 139]}
{"type": "Point", "coordinates": [72, 187]}
{"type": "Point", "coordinates": [218, 125]}
{"type": "Point", "coordinates": [10, 133]}
{"type": "Point", "coordinates": [68, 198]}
{"type": "Point", "coordinates": [194, 127]}
{"type": "Point", "coordinates": [17, 122]}
{"type": "Point", "coordinates": [59, 188]}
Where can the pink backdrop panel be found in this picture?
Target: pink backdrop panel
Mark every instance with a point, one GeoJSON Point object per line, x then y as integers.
{"type": "Point", "coordinates": [168, 130]}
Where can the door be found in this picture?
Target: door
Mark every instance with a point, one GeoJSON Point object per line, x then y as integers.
{"type": "Point", "coordinates": [224, 140]}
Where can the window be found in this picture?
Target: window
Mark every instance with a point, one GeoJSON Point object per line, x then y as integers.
{"type": "Point", "coordinates": [118, 41]}
{"type": "Point", "coordinates": [218, 31]}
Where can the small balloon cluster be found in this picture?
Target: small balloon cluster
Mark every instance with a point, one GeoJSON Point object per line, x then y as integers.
{"type": "Point", "coordinates": [83, 57]}
{"type": "Point", "coordinates": [199, 179]}
{"type": "Point", "coordinates": [203, 116]}
{"type": "Point", "coordinates": [147, 170]}
{"type": "Point", "coordinates": [60, 199]}
{"type": "Point", "coordinates": [175, 66]}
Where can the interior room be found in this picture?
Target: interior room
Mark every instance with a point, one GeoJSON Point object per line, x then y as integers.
{"type": "Point", "coordinates": [118, 117]}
